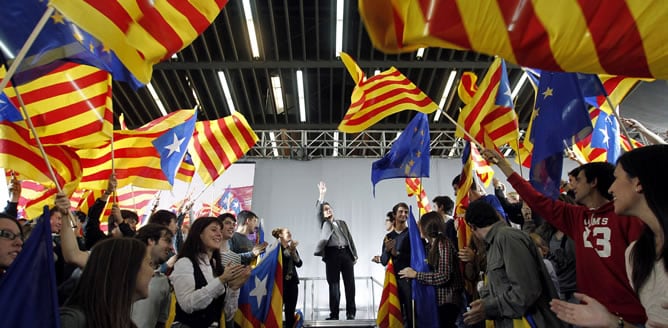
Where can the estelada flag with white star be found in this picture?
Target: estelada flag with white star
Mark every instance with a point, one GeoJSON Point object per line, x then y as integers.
{"type": "Point", "coordinates": [261, 297]}
{"type": "Point", "coordinates": [147, 157]}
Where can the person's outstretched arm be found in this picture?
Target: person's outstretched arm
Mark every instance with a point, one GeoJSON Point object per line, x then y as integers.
{"type": "Point", "coordinates": [651, 137]}
{"type": "Point", "coordinates": [71, 252]}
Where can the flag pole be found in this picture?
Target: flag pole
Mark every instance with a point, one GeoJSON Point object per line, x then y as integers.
{"type": "Point", "coordinates": [519, 156]}
{"type": "Point", "coordinates": [201, 192]}
{"type": "Point", "coordinates": [26, 46]}
{"type": "Point", "coordinates": [465, 132]}
{"type": "Point", "coordinates": [39, 143]}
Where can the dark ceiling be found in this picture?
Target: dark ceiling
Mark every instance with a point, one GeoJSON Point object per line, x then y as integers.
{"type": "Point", "coordinates": [294, 35]}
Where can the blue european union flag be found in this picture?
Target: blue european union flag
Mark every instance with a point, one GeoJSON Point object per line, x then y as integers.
{"type": "Point", "coordinates": [59, 40]}
{"type": "Point", "coordinates": [561, 115]}
{"type": "Point", "coordinates": [8, 112]}
{"type": "Point", "coordinates": [606, 136]}
{"type": "Point", "coordinates": [426, 309]}
{"type": "Point", "coordinates": [172, 146]}
{"type": "Point", "coordinates": [33, 267]}
{"type": "Point", "coordinates": [409, 155]}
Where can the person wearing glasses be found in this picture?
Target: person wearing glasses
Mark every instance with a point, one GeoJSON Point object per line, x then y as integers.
{"type": "Point", "coordinates": [11, 242]}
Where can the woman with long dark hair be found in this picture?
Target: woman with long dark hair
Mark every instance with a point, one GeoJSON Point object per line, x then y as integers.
{"type": "Point", "coordinates": [117, 273]}
{"type": "Point", "coordinates": [199, 279]}
{"type": "Point", "coordinates": [291, 261]}
{"type": "Point", "coordinates": [639, 190]}
{"type": "Point", "coordinates": [444, 265]}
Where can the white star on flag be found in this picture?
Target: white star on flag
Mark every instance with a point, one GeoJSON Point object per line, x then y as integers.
{"type": "Point", "coordinates": [175, 146]}
{"type": "Point", "coordinates": [260, 290]}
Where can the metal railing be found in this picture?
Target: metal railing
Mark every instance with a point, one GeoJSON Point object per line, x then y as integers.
{"type": "Point", "coordinates": [315, 291]}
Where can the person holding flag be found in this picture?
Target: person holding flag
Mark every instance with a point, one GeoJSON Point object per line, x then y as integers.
{"type": "Point", "coordinates": [291, 261]}
{"type": "Point", "coordinates": [444, 271]}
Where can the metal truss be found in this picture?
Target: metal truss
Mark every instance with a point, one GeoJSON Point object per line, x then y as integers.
{"type": "Point", "coordinates": [312, 144]}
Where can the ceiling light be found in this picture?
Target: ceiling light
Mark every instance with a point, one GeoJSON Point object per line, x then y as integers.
{"type": "Point", "coordinates": [157, 100]}
{"type": "Point", "coordinates": [226, 91]}
{"type": "Point", "coordinates": [339, 28]}
{"type": "Point", "coordinates": [376, 72]}
{"type": "Point", "coordinates": [420, 53]}
{"type": "Point", "coordinates": [519, 85]}
{"type": "Point", "coordinates": [300, 95]}
{"type": "Point", "coordinates": [250, 26]}
{"type": "Point", "coordinates": [274, 147]}
{"type": "Point", "coordinates": [198, 104]}
{"type": "Point", "coordinates": [175, 56]}
{"type": "Point", "coordinates": [336, 144]}
{"type": "Point", "coordinates": [444, 96]}
{"type": "Point", "coordinates": [278, 94]}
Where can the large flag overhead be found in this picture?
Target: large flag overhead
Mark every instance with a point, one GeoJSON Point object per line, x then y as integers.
{"type": "Point", "coordinates": [70, 105]}
{"type": "Point", "coordinates": [389, 309]}
{"type": "Point", "coordinates": [380, 96]}
{"type": "Point", "coordinates": [146, 157]}
{"type": "Point", "coordinates": [621, 37]}
{"type": "Point", "coordinates": [426, 310]}
{"type": "Point", "coordinates": [34, 264]}
{"type": "Point", "coordinates": [142, 33]}
{"type": "Point", "coordinates": [261, 297]}
{"type": "Point", "coordinates": [562, 116]}
{"type": "Point", "coordinates": [409, 155]}
{"type": "Point", "coordinates": [489, 116]}
{"type": "Point", "coordinates": [59, 41]}
{"type": "Point", "coordinates": [218, 144]}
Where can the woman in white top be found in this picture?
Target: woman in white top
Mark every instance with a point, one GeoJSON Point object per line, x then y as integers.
{"type": "Point", "coordinates": [639, 190]}
{"type": "Point", "coordinates": [199, 279]}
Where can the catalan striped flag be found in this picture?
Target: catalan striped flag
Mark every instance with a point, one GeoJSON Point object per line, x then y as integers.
{"type": "Point", "coordinates": [489, 117]}
{"type": "Point", "coordinates": [32, 199]}
{"type": "Point", "coordinates": [218, 144]}
{"type": "Point", "coordinates": [261, 297]}
{"type": "Point", "coordinates": [414, 188]}
{"type": "Point", "coordinates": [186, 170]}
{"type": "Point", "coordinates": [21, 154]}
{"type": "Point", "coordinates": [70, 105]}
{"type": "Point", "coordinates": [481, 167]}
{"type": "Point", "coordinates": [146, 157]}
{"type": "Point", "coordinates": [467, 87]}
{"type": "Point", "coordinates": [389, 310]}
{"type": "Point", "coordinates": [380, 96]}
{"type": "Point", "coordinates": [142, 33]}
{"type": "Point", "coordinates": [620, 37]}
{"type": "Point", "coordinates": [462, 197]}
{"type": "Point", "coordinates": [132, 199]}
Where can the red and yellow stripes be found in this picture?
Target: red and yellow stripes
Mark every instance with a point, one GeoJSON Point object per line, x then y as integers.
{"type": "Point", "coordinates": [490, 124]}
{"type": "Point", "coordinates": [218, 144]}
{"type": "Point", "coordinates": [389, 309]}
{"type": "Point", "coordinates": [380, 96]}
{"type": "Point", "coordinates": [142, 33]}
{"type": "Point", "coordinates": [619, 37]}
{"type": "Point", "coordinates": [70, 105]}
{"type": "Point", "coordinates": [136, 161]}
{"type": "Point", "coordinates": [414, 188]}
{"type": "Point", "coordinates": [185, 172]}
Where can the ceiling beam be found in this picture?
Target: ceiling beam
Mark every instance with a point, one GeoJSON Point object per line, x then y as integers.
{"type": "Point", "coordinates": [320, 64]}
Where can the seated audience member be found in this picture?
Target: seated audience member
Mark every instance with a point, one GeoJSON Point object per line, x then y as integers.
{"type": "Point", "coordinates": [444, 272]}
{"type": "Point", "coordinates": [11, 242]}
{"type": "Point", "coordinates": [199, 279]}
{"type": "Point", "coordinates": [600, 235]}
{"type": "Point", "coordinates": [517, 284]}
{"type": "Point", "coordinates": [116, 275]}
{"type": "Point", "coordinates": [639, 190]}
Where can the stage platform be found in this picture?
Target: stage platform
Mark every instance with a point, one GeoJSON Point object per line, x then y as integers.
{"type": "Point", "coordinates": [341, 323]}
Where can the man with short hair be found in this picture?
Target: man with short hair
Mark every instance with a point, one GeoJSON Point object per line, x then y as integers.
{"type": "Point", "coordinates": [240, 243]}
{"type": "Point", "coordinates": [337, 249]}
{"type": "Point", "coordinates": [517, 283]}
{"type": "Point", "coordinates": [444, 207]}
{"type": "Point", "coordinates": [600, 235]}
{"type": "Point", "coordinates": [153, 311]}
{"type": "Point", "coordinates": [397, 247]}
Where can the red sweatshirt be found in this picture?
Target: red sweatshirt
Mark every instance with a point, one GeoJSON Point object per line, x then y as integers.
{"type": "Point", "coordinates": [601, 237]}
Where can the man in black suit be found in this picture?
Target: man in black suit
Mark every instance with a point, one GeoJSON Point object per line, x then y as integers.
{"type": "Point", "coordinates": [337, 249]}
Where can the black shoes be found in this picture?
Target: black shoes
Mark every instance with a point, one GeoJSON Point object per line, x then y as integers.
{"type": "Point", "coordinates": [350, 317]}
{"type": "Point", "coordinates": [332, 318]}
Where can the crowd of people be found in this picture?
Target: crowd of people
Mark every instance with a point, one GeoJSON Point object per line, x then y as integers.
{"type": "Point", "coordinates": [595, 257]}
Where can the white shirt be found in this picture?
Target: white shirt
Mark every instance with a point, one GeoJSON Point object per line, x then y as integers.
{"type": "Point", "coordinates": [183, 280]}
